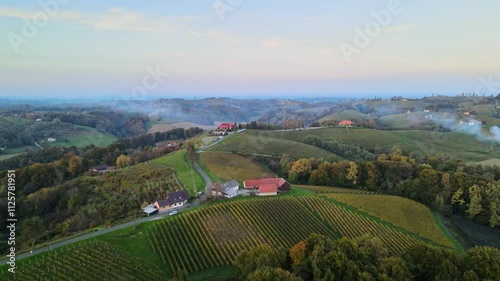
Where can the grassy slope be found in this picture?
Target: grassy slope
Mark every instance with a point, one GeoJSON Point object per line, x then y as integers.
{"type": "Point", "coordinates": [346, 114]}
{"type": "Point", "coordinates": [11, 152]}
{"type": "Point", "coordinates": [229, 166]}
{"type": "Point", "coordinates": [402, 121]}
{"type": "Point", "coordinates": [90, 136]}
{"type": "Point", "coordinates": [186, 174]}
{"type": "Point", "coordinates": [411, 215]}
{"type": "Point", "coordinates": [79, 136]}
{"type": "Point", "coordinates": [453, 144]}
{"type": "Point", "coordinates": [254, 143]}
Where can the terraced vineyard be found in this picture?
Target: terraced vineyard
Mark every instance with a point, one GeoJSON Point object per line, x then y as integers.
{"type": "Point", "coordinates": [454, 144]}
{"type": "Point", "coordinates": [92, 261]}
{"type": "Point", "coordinates": [327, 189]}
{"type": "Point", "coordinates": [382, 207]}
{"type": "Point", "coordinates": [255, 143]}
{"type": "Point", "coordinates": [214, 235]}
{"type": "Point", "coordinates": [351, 225]}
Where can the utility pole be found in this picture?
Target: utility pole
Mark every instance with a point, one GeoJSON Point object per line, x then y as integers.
{"type": "Point", "coordinates": [47, 232]}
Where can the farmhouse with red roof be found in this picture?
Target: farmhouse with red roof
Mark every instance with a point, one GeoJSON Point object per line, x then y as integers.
{"type": "Point", "coordinates": [346, 123]}
{"type": "Point", "coordinates": [225, 126]}
{"type": "Point", "coordinates": [267, 190]}
{"type": "Point", "coordinates": [269, 186]}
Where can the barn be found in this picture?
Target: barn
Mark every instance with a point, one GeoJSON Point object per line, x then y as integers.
{"type": "Point", "coordinates": [280, 183]}
{"type": "Point", "coordinates": [267, 190]}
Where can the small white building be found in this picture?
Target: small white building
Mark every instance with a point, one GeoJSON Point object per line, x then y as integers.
{"type": "Point", "coordinates": [38, 120]}
{"type": "Point", "coordinates": [51, 139]}
{"type": "Point", "coordinates": [228, 189]}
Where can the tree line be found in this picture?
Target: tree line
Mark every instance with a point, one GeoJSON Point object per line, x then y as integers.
{"type": "Point", "coordinates": [364, 258]}
{"type": "Point", "coordinates": [446, 185]}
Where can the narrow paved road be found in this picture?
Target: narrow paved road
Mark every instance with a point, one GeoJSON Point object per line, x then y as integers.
{"type": "Point", "coordinates": [205, 177]}
{"type": "Point", "coordinates": [97, 233]}
{"type": "Point", "coordinates": [208, 181]}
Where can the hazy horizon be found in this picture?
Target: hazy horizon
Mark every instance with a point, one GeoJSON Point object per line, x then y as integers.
{"type": "Point", "coordinates": [240, 48]}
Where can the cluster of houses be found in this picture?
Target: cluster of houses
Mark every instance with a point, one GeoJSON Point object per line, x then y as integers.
{"type": "Point", "coordinates": [223, 129]}
{"type": "Point", "coordinates": [261, 187]}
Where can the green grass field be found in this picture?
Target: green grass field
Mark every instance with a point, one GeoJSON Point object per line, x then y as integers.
{"type": "Point", "coordinates": [202, 140]}
{"type": "Point", "coordinates": [490, 121]}
{"type": "Point", "coordinates": [452, 144]}
{"type": "Point", "coordinates": [11, 152]}
{"type": "Point", "coordinates": [402, 121]}
{"type": "Point", "coordinates": [188, 176]}
{"type": "Point", "coordinates": [88, 137]}
{"type": "Point", "coordinates": [256, 142]}
{"type": "Point", "coordinates": [229, 166]}
{"type": "Point", "coordinates": [344, 115]}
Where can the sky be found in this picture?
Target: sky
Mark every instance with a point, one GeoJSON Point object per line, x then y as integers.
{"type": "Point", "coordinates": [177, 48]}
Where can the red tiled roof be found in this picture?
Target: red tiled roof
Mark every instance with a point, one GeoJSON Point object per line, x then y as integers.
{"type": "Point", "coordinates": [259, 182]}
{"type": "Point", "coordinates": [226, 126]}
{"type": "Point", "coordinates": [345, 122]}
{"type": "Point", "coordinates": [265, 188]}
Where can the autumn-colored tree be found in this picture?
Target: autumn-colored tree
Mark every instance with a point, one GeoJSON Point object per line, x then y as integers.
{"type": "Point", "coordinates": [302, 168]}
{"type": "Point", "coordinates": [260, 256]}
{"type": "Point", "coordinates": [123, 161]}
{"type": "Point", "coordinates": [75, 165]}
{"type": "Point", "coordinates": [322, 175]}
{"type": "Point", "coordinates": [475, 206]}
{"type": "Point", "coordinates": [352, 172]}
{"type": "Point", "coordinates": [493, 197]}
{"type": "Point", "coordinates": [298, 253]}
{"type": "Point", "coordinates": [285, 163]}
{"type": "Point", "coordinates": [191, 152]}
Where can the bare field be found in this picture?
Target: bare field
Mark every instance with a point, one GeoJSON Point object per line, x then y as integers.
{"type": "Point", "coordinates": [185, 125]}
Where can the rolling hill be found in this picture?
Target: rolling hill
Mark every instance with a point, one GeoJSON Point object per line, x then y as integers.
{"type": "Point", "coordinates": [229, 166]}
{"type": "Point", "coordinates": [205, 240]}
{"type": "Point", "coordinates": [420, 142]}
{"type": "Point", "coordinates": [257, 142]}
